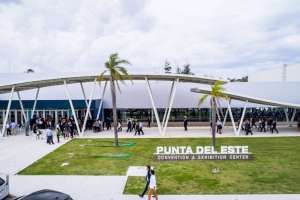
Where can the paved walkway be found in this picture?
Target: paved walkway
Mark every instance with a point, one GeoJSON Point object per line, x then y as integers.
{"type": "Point", "coordinates": [79, 187]}
{"type": "Point", "coordinates": [17, 152]}
{"type": "Point", "coordinates": [178, 132]}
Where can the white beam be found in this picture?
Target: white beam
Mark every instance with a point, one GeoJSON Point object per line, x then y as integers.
{"type": "Point", "coordinates": [102, 99]}
{"type": "Point", "coordinates": [231, 117]}
{"type": "Point", "coordinates": [88, 111]}
{"type": "Point", "coordinates": [153, 105]}
{"type": "Point", "coordinates": [7, 111]}
{"type": "Point", "coordinates": [71, 105]}
{"type": "Point", "coordinates": [22, 108]}
{"type": "Point", "coordinates": [84, 96]}
{"type": "Point", "coordinates": [242, 118]}
{"type": "Point", "coordinates": [173, 92]}
{"type": "Point", "coordinates": [35, 101]}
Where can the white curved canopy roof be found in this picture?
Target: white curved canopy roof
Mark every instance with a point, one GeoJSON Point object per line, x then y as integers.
{"type": "Point", "coordinates": [255, 100]}
{"type": "Point", "coordinates": [31, 81]}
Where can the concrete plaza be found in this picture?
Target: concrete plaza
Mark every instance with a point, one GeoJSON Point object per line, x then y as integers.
{"type": "Point", "coordinates": [17, 152]}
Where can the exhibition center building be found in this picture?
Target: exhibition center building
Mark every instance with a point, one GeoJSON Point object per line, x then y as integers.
{"type": "Point", "coordinates": [163, 97]}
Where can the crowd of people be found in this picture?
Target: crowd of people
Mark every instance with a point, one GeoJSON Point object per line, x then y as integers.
{"type": "Point", "coordinates": [249, 125]}
{"type": "Point", "coordinates": [259, 125]}
{"type": "Point", "coordinates": [66, 127]}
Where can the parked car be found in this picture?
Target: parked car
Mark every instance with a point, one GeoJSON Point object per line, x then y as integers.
{"type": "Point", "coordinates": [4, 187]}
{"type": "Point", "coordinates": [46, 195]}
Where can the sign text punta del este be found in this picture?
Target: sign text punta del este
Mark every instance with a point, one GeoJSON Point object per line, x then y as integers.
{"type": "Point", "coordinates": [202, 153]}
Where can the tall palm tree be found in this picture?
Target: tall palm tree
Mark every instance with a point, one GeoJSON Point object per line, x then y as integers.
{"type": "Point", "coordinates": [116, 73]}
{"type": "Point", "coordinates": [217, 93]}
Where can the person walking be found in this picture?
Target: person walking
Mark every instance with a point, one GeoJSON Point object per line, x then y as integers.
{"type": "Point", "coordinates": [58, 132]}
{"type": "Point", "coordinates": [274, 127]}
{"type": "Point", "coordinates": [152, 186]}
{"type": "Point", "coordinates": [219, 127]}
{"type": "Point", "coordinates": [137, 129]}
{"type": "Point", "coordinates": [119, 126]}
{"type": "Point", "coordinates": [148, 175]}
{"type": "Point", "coordinates": [134, 125]}
{"type": "Point", "coordinates": [149, 122]}
{"type": "Point", "coordinates": [49, 135]}
{"type": "Point", "coordinates": [248, 127]}
{"type": "Point", "coordinates": [129, 126]}
{"type": "Point", "coordinates": [185, 123]}
{"type": "Point", "coordinates": [8, 129]}
{"type": "Point", "coordinates": [263, 125]}
{"type": "Point", "coordinates": [141, 126]}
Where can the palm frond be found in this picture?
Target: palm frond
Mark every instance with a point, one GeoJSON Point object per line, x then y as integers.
{"type": "Point", "coordinates": [202, 99]}
{"type": "Point", "coordinates": [101, 76]}
{"type": "Point", "coordinates": [118, 62]}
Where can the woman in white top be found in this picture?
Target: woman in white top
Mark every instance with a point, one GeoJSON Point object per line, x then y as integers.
{"type": "Point", "coordinates": [152, 186]}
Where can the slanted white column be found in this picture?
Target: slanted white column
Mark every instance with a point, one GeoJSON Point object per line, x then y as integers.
{"type": "Point", "coordinates": [153, 105]}
{"type": "Point", "coordinates": [242, 118]}
{"type": "Point", "coordinates": [22, 108]}
{"type": "Point", "coordinates": [169, 99]}
{"type": "Point", "coordinates": [287, 116]}
{"type": "Point", "coordinates": [84, 96]}
{"type": "Point", "coordinates": [102, 96]}
{"type": "Point", "coordinates": [71, 105]}
{"type": "Point", "coordinates": [231, 117]}
{"type": "Point", "coordinates": [293, 117]}
{"type": "Point", "coordinates": [88, 108]}
{"type": "Point", "coordinates": [225, 118]}
{"type": "Point", "coordinates": [35, 101]}
{"type": "Point", "coordinates": [173, 92]}
{"type": "Point", "coordinates": [7, 111]}
{"type": "Point", "coordinates": [3, 116]}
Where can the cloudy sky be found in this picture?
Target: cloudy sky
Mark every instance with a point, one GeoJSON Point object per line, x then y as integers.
{"type": "Point", "coordinates": [222, 37]}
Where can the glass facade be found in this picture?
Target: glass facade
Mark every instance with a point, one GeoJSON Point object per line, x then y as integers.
{"type": "Point", "coordinates": [202, 114]}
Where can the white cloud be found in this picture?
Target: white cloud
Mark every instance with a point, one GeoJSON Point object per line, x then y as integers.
{"type": "Point", "coordinates": [216, 37]}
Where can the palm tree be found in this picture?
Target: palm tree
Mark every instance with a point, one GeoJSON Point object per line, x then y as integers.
{"type": "Point", "coordinates": [116, 73]}
{"type": "Point", "coordinates": [217, 93]}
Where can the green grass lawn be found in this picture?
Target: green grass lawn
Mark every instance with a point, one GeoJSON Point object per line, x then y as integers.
{"type": "Point", "coordinates": [274, 169]}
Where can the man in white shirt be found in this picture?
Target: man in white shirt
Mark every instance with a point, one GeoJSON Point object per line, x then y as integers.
{"type": "Point", "coordinates": [49, 135]}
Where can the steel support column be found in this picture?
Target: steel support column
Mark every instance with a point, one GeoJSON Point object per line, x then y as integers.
{"type": "Point", "coordinates": [231, 117]}
{"type": "Point", "coordinates": [71, 105]}
{"type": "Point", "coordinates": [169, 99]}
{"type": "Point", "coordinates": [153, 105]}
{"type": "Point", "coordinates": [21, 105]}
{"type": "Point", "coordinates": [88, 111]}
{"type": "Point", "coordinates": [173, 92]}
{"type": "Point", "coordinates": [84, 96]}
{"type": "Point", "coordinates": [242, 118]}
{"type": "Point", "coordinates": [101, 102]}
{"type": "Point", "coordinates": [7, 111]}
{"type": "Point", "coordinates": [287, 116]}
{"type": "Point", "coordinates": [293, 117]}
{"type": "Point", "coordinates": [225, 117]}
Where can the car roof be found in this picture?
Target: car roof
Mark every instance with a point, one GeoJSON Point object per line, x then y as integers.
{"type": "Point", "coordinates": [47, 195]}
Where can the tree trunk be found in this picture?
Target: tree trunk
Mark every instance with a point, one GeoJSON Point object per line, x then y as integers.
{"type": "Point", "coordinates": [114, 104]}
{"type": "Point", "coordinates": [213, 122]}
